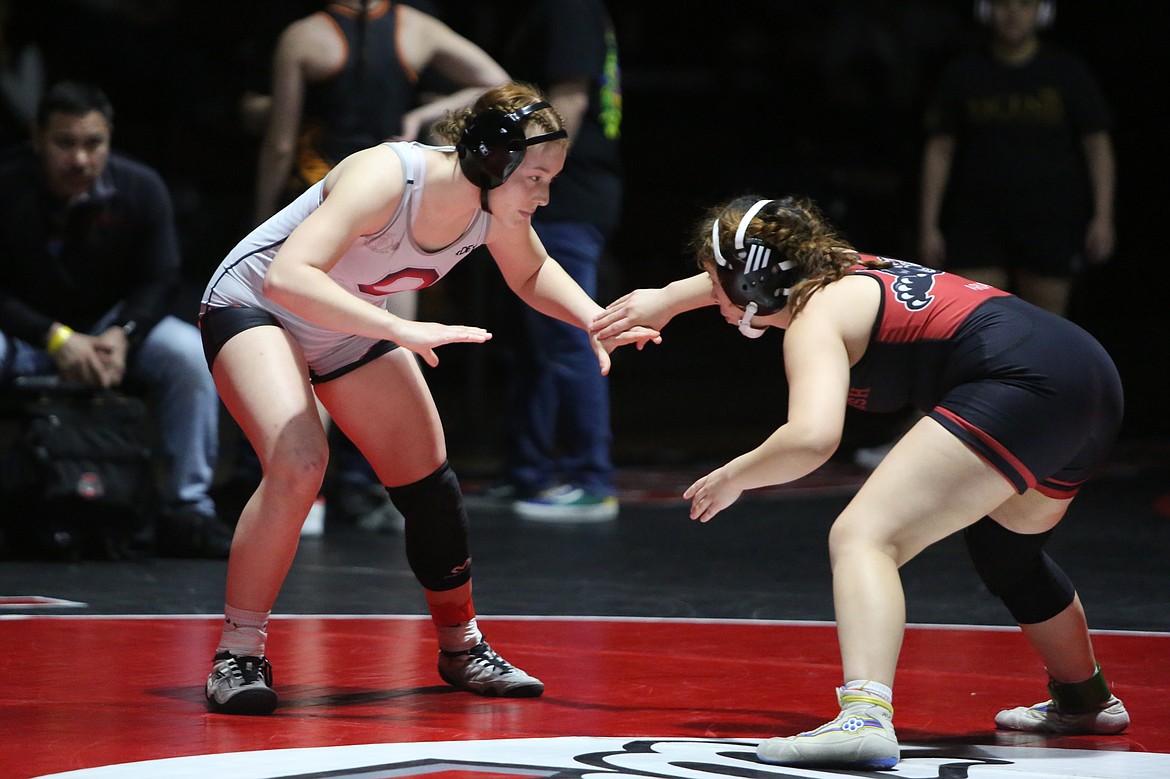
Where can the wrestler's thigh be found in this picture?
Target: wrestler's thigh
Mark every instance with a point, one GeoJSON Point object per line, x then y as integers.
{"type": "Point", "coordinates": [261, 376]}
{"type": "Point", "coordinates": [385, 408]}
{"type": "Point", "coordinates": [929, 486]}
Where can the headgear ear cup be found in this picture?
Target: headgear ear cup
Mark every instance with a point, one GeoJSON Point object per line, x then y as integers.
{"type": "Point", "coordinates": [493, 144]}
{"type": "Point", "coordinates": [751, 278]}
{"type": "Point", "coordinates": [1045, 13]}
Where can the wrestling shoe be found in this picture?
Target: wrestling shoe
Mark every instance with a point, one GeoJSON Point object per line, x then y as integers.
{"type": "Point", "coordinates": [240, 684]}
{"type": "Point", "coordinates": [566, 503]}
{"type": "Point", "coordinates": [1047, 717]}
{"type": "Point", "coordinates": [1075, 708]}
{"type": "Point", "coordinates": [481, 671]}
{"type": "Point", "coordinates": [862, 736]}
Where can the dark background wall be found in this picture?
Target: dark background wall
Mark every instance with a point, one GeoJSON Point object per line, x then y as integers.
{"type": "Point", "coordinates": [820, 97]}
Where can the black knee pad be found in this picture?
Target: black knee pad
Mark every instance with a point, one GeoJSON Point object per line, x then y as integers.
{"type": "Point", "coordinates": [1017, 570]}
{"type": "Point", "coordinates": [436, 529]}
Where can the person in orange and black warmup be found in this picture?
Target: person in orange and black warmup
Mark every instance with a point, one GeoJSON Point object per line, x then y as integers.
{"type": "Point", "coordinates": [345, 78]}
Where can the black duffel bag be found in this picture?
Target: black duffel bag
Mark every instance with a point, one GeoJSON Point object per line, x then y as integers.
{"type": "Point", "coordinates": [76, 476]}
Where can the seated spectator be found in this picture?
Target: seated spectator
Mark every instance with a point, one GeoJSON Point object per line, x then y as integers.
{"type": "Point", "coordinates": [91, 260]}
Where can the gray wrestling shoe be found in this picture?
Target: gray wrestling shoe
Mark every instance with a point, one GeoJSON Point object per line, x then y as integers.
{"type": "Point", "coordinates": [1047, 717]}
{"type": "Point", "coordinates": [1075, 708]}
{"type": "Point", "coordinates": [240, 684]}
{"type": "Point", "coordinates": [862, 736]}
{"type": "Point", "coordinates": [481, 671]}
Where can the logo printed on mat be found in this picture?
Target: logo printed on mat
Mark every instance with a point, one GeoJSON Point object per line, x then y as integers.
{"type": "Point", "coordinates": [578, 757]}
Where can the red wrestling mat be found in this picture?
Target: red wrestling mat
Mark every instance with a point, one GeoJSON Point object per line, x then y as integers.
{"type": "Point", "coordinates": [82, 692]}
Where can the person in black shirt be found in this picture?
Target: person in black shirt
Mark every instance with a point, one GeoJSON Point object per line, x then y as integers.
{"type": "Point", "coordinates": [91, 258]}
{"type": "Point", "coordinates": [557, 451]}
{"type": "Point", "coordinates": [1018, 169]}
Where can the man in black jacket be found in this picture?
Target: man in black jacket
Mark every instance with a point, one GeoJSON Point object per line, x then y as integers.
{"type": "Point", "coordinates": [88, 261]}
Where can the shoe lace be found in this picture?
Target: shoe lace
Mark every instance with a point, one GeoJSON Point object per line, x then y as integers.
{"type": "Point", "coordinates": [486, 656]}
{"type": "Point", "coordinates": [247, 669]}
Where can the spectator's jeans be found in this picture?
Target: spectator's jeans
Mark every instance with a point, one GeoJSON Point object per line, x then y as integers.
{"type": "Point", "coordinates": [558, 428]}
{"type": "Point", "coordinates": [169, 365]}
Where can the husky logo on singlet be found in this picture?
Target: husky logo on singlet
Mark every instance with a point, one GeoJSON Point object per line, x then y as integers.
{"type": "Point", "coordinates": [912, 284]}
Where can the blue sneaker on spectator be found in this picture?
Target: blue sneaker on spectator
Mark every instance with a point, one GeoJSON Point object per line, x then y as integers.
{"type": "Point", "coordinates": [565, 503]}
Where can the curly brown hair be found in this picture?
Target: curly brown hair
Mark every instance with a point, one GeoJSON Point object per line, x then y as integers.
{"type": "Point", "coordinates": [794, 227]}
{"type": "Point", "coordinates": [507, 98]}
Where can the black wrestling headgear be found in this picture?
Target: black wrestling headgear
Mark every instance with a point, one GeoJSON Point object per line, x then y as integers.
{"type": "Point", "coordinates": [493, 144]}
{"type": "Point", "coordinates": [752, 279]}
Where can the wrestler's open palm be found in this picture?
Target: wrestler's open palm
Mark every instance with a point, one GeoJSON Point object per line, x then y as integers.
{"type": "Point", "coordinates": [711, 494]}
{"type": "Point", "coordinates": [423, 337]}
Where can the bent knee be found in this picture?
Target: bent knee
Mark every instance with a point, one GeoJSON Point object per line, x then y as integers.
{"type": "Point", "coordinates": [853, 533]}
{"type": "Point", "coordinates": [846, 538]}
{"type": "Point", "coordinates": [297, 468]}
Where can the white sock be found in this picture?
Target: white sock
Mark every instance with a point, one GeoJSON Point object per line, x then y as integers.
{"type": "Point", "coordinates": [876, 689]}
{"type": "Point", "coordinates": [244, 632]}
{"type": "Point", "coordinates": [459, 637]}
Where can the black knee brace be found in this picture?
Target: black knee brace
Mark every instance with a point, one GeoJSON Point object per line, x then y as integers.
{"type": "Point", "coordinates": [1017, 570]}
{"type": "Point", "coordinates": [436, 529]}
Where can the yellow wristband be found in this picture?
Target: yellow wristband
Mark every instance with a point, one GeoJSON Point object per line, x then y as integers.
{"type": "Point", "coordinates": [58, 339]}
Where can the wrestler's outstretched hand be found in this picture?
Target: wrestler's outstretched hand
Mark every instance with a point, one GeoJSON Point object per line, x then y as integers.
{"type": "Point", "coordinates": [422, 337]}
{"type": "Point", "coordinates": [642, 308]}
{"type": "Point", "coordinates": [711, 494]}
{"type": "Point", "coordinates": [636, 335]}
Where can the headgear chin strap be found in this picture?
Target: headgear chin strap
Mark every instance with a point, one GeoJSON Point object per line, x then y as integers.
{"type": "Point", "coordinates": [745, 323]}
{"type": "Point", "coordinates": [493, 144]}
{"type": "Point", "coordinates": [751, 279]}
